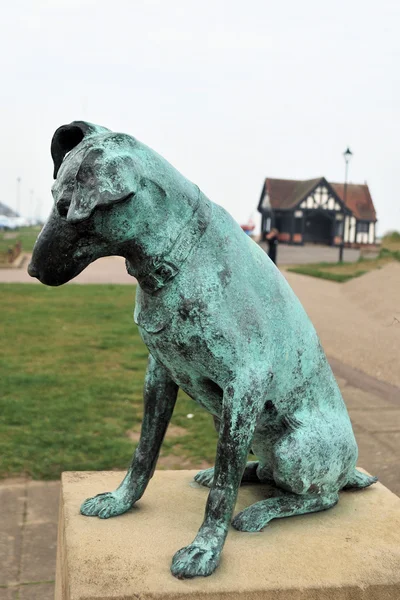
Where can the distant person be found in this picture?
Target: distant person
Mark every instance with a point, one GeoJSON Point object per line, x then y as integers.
{"type": "Point", "coordinates": [273, 240]}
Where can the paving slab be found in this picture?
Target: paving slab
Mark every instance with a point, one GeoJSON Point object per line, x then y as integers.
{"type": "Point", "coordinates": [9, 594]}
{"type": "Point", "coordinates": [12, 503]}
{"type": "Point", "coordinates": [390, 439]}
{"type": "Point", "coordinates": [356, 398]}
{"type": "Point", "coordinates": [360, 379]}
{"type": "Point", "coordinates": [380, 460]}
{"type": "Point", "coordinates": [342, 383]}
{"type": "Point", "coordinates": [42, 502]}
{"type": "Point", "coordinates": [357, 428]}
{"type": "Point", "coordinates": [377, 421]}
{"type": "Point", "coordinates": [38, 561]}
{"type": "Point", "coordinates": [36, 591]}
{"type": "Point", "coordinates": [389, 474]}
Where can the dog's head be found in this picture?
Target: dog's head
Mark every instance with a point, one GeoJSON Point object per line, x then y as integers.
{"type": "Point", "coordinates": [112, 195]}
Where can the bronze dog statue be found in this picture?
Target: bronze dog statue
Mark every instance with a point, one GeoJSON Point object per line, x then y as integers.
{"type": "Point", "coordinates": [219, 320]}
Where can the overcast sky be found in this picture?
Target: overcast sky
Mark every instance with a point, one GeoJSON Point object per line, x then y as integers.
{"type": "Point", "coordinates": [229, 92]}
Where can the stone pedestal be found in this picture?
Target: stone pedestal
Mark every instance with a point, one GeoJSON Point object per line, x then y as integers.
{"type": "Point", "coordinates": [351, 551]}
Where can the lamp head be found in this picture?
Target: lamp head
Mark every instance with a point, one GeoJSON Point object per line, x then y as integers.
{"type": "Point", "coordinates": [347, 154]}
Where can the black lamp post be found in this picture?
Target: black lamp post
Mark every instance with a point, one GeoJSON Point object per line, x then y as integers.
{"type": "Point", "coordinates": [347, 156]}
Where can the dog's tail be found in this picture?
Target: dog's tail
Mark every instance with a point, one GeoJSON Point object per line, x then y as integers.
{"type": "Point", "coordinates": [358, 480]}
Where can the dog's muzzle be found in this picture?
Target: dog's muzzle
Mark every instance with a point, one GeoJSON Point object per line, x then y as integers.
{"type": "Point", "coordinates": [32, 271]}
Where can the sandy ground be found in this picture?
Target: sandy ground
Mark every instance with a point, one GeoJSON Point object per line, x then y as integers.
{"type": "Point", "coordinates": [378, 294]}
{"type": "Point", "coordinates": [359, 321]}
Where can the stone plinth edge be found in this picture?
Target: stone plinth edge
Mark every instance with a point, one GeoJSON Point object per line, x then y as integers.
{"type": "Point", "coordinates": [350, 552]}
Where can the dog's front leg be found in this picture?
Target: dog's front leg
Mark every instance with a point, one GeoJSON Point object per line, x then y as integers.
{"type": "Point", "coordinates": [159, 400]}
{"type": "Point", "coordinates": [241, 407]}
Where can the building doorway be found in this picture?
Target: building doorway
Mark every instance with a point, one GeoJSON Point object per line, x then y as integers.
{"type": "Point", "coordinates": [318, 228]}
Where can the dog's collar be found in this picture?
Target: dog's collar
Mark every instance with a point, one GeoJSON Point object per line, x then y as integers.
{"type": "Point", "coordinates": [159, 271]}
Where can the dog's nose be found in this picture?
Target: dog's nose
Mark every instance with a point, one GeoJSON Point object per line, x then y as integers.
{"type": "Point", "coordinates": [32, 271]}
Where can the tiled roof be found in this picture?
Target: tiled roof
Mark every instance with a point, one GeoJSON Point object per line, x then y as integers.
{"type": "Point", "coordinates": [288, 193]}
{"type": "Point", "coordinates": [358, 199]}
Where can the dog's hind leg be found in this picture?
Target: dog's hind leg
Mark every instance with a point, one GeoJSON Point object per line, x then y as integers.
{"type": "Point", "coordinates": [159, 400]}
{"type": "Point", "coordinates": [311, 463]}
{"type": "Point", "coordinates": [258, 515]}
{"type": "Point", "coordinates": [206, 476]}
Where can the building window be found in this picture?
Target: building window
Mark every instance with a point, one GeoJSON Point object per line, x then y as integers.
{"type": "Point", "coordinates": [339, 228]}
{"type": "Point", "coordinates": [362, 227]}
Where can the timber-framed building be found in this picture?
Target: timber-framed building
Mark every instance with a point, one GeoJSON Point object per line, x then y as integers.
{"type": "Point", "coordinates": [314, 211]}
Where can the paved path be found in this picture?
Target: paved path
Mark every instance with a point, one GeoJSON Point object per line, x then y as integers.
{"type": "Point", "coordinates": [312, 253]}
{"type": "Point", "coordinates": [105, 270]}
{"type": "Point", "coordinates": [112, 269]}
{"type": "Point", "coordinates": [28, 539]}
{"type": "Point", "coordinates": [359, 321]}
{"type": "Point", "coordinates": [29, 509]}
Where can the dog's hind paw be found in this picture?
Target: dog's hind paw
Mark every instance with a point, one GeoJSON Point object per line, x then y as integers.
{"type": "Point", "coordinates": [251, 519]}
{"type": "Point", "coordinates": [195, 561]}
{"type": "Point", "coordinates": [110, 504]}
{"type": "Point", "coordinates": [205, 477]}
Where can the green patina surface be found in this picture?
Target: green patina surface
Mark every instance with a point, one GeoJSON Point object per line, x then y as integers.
{"type": "Point", "coordinates": [220, 322]}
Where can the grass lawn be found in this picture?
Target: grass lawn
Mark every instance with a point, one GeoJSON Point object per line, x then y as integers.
{"type": "Point", "coordinates": [342, 272]}
{"type": "Point", "coordinates": [72, 368]}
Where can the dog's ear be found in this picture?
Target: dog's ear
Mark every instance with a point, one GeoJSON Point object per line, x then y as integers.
{"type": "Point", "coordinates": [67, 137]}
{"type": "Point", "coordinates": [102, 179]}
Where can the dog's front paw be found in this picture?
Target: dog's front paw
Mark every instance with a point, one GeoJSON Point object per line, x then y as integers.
{"type": "Point", "coordinates": [205, 477]}
{"type": "Point", "coordinates": [195, 561]}
{"type": "Point", "coordinates": [105, 505]}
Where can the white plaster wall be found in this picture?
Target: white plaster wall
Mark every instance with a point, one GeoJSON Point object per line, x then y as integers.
{"type": "Point", "coordinates": [346, 229]}
{"type": "Point", "coordinates": [266, 202]}
{"type": "Point", "coordinates": [352, 236]}
{"type": "Point", "coordinates": [362, 238]}
{"type": "Point", "coordinates": [371, 233]}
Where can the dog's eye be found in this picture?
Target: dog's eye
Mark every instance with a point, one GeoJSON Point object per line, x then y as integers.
{"type": "Point", "coordinates": [62, 207]}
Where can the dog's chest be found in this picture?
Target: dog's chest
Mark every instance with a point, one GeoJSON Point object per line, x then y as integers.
{"type": "Point", "coordinates": [172, 327]}
{"type": "Point", "coordinates": [149, 314]}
